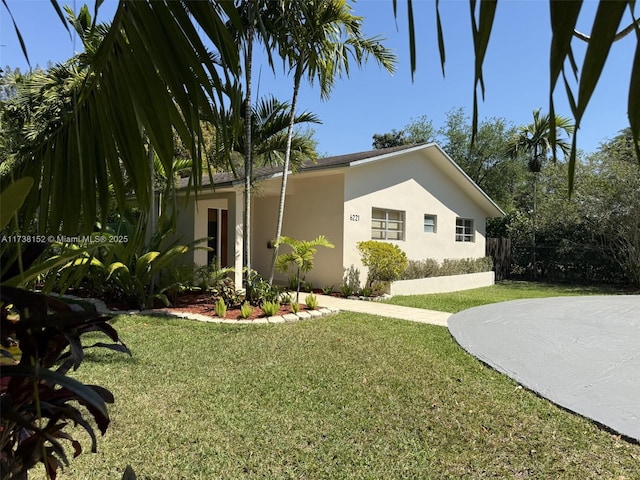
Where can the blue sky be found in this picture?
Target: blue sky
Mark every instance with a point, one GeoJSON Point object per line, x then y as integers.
{"type": "Point", "coordinates": [372, 101]}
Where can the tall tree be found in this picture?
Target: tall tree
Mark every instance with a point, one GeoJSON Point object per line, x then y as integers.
{"type": "Point", "coordinates": [563, 17]}
{"type": "Point", "coordinates": [151, 73]}
{"type": "Point", "coordinates": [485, 160]}
{"type": "Point", "coordinates": [537, 142]}
{"type": "Point", "coordinates": [609, 199]}
{"type": "Point", "coordinates": [317, 40]}
{"type": "Point", "coordinates": [418, 130]}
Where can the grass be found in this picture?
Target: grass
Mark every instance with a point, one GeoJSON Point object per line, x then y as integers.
{"type": "Point", "coordinates": [508, 290]}
{"type": "Point", "coordinates": [348, 396]}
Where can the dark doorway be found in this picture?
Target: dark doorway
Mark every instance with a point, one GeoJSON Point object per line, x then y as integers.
{"type": "Point", "coordinates": [217, 229]}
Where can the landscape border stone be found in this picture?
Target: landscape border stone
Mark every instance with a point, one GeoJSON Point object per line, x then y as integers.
{"type": "Point", "coordinates": [101, 307]}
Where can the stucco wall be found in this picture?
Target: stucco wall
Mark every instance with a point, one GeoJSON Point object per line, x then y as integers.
{"type": "Point", "coordinates": [417, 188]}
{"type": "Point", "coordinates": [313, 207]}
{"type": "Point", "coordinates": [192, 225]}
{"type": "Point", "coordinates": [453, 283]}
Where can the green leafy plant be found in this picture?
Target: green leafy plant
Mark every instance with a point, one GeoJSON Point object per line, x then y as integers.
{"type": "Point", "coordinates": [292, 283]}
{"type": "Point", "coordinates": [246, 310]}
{"type": "Point", "coordinates": [221, 308]}
{"type": "Point", "coordinates": [306, 286]}
{"type": "Point", "coordinates": [346, 290]}
{"type": "Point", "coordinates": [301, 256]}
{"type": "Point", "coordinates": [40, 341]}
{"type": "Point", "coordinates": [449, 266]}
{"type": "Point", "coordinates": [121, 259]}
{"type": "Point", "coordinates": [285, 298]}
{"type": "Point", "coordinates": [225, 290]}
{"type": "Point", "coordinates": [295, 307]}
{"type": "Point", "coordinates": [209, 276]}
{"type": "Point", "coordinates": [327, 289]}
{"type": "Point", "coordinates": [270, 308]}
{"type": "Point", "coordinates": [259, 290]}
{"type": "Point", "coordinates": [350, 281]}
{"type": "Point", "coordinates": [311, 301]}
{"type": "Point", "coordinates": [385, 261]}
{"type": "Point", "coordinates": [366, 291]}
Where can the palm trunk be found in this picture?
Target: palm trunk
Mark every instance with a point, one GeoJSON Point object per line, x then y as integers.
{"type": "Point", "coordinates": [285, 170]}
{"type": "Point", "coordinates": [535, 219]}
{"type": "Point", "coordinates": [152, 224]}
{"type": "Point", "coordinates": [248, 160]}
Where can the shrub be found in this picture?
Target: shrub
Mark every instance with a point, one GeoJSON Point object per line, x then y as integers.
{"type": "Point", "coordinates": [221, 308]}
{"type": "Point", "coordinates": [39, 399]}
{"type": "Point", "coordinates": [350, 281]}
{"type": "Point", "coordinates": [421, 269]}
{"type": "Point", "coordinates": [450, 266]}
{"type": "Point", "coordinates": [327, 289]}
{"type": "Point", "coordinates": [366, 291]}
{"type": "Point", "coordinates": [295, 307]}
{"type": "Point", "coordinates": [246, 310]}
{"type": "Point", "coordinates": [379, 288]}
{"type": "Point", "coordinates": [209, 276]}
{"type": "Point", "coordinates": [311, 301]}
{"type": "Point", "coordinates": [260, 290]}
{"type": "Point", "coordinates": [225, 290]}
{"type": "Point", "coordinates": [270, 308]}
{"type": "Point", "coordinates": [385, 261]}
{"type": "Point", "coordinates": [285, 298]}
{"type": "Point", "coordinates": [306, 286]}
{"type": "Point", "coordinates": [346, 290]}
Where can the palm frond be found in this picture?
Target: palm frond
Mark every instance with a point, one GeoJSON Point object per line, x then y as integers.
{"type": "Point", "coordinates": [137, 86]}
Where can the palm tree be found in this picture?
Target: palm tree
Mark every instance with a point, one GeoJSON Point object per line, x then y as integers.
{"type": "Point", "coordinates": [538, 142]}
{"type": "Point", "coordinates": [269, 134]}
{"type": "Point", "coordinates": [150, 74]}
{"type": "Point", "coordinates": [301, 256]}
{"type": "Point", "coordinates": [317, 39]}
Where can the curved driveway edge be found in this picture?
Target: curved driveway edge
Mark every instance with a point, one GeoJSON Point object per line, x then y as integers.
{"type": "Point", "coordinates": [582, 353]}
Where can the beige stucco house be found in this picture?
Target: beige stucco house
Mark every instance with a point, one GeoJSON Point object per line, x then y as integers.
{"type": "Point", "coordinates": [412, 196]}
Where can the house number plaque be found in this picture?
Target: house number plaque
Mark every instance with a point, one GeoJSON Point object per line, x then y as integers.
{"type": "Point", "coordinates": [354, 217]}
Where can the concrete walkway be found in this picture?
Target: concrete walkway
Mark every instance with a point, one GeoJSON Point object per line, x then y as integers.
{"type": "Point", "coordinates": [419, 315]}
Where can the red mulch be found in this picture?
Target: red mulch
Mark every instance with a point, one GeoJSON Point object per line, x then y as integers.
{"type": "Point", "coordinates": [203, 304]}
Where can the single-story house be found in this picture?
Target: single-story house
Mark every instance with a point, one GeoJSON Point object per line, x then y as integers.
{"type": "Point", "coordinates": [414, 196]}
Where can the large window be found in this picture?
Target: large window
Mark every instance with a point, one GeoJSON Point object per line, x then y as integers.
{"type": "Point", "coordinates": [387, 224]}
{"type": "Point", "coordinates": [430, 223]}
{"type": "Point", "coordinates": [464, 230]}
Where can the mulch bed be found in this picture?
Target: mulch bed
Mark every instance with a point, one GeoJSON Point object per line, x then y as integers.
{"type": "Point", "coordinates": [203, 304]}
{"type": "Point", "coordinates": [197, 302]}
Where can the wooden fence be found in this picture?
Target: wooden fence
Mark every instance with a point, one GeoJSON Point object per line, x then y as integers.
{"type": "Point", "coordinates": [499, 249]}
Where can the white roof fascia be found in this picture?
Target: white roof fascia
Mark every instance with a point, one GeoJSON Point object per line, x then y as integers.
{"type": "Point", "coordinates": [389, 155]}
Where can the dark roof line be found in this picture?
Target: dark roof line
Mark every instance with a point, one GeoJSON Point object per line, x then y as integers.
{"type": "Point", "coordinates": [225, 179]}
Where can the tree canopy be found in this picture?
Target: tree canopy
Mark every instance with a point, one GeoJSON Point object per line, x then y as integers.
{"type": "Point", "coordinates": [563, 17]}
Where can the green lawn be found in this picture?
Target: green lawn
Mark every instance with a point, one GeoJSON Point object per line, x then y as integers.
{"type": "Point", "coordinates": [344, 396]}
{"type": "Point", "coordinates": [508, 290]}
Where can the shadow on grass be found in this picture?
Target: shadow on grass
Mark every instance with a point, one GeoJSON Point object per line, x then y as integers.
{"type": "Point", "coordinates": [579, 289]}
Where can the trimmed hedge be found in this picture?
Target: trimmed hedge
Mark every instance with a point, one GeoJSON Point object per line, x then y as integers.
{"type": "Point", "coordinates": [449, 266]}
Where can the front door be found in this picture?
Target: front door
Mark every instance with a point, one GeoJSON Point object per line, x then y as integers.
{"type": "Point", "coordinates": [217, 229]}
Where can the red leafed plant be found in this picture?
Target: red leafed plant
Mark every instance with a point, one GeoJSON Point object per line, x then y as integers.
{"type": "Point", "coordinates": [41, 342]}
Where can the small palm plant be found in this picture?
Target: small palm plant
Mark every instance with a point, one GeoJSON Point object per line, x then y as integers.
{"type": "Point", "coordinates": [301, 256]}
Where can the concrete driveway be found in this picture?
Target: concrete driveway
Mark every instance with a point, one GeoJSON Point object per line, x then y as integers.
{"type": "Point", "coordinates": [582, 353]}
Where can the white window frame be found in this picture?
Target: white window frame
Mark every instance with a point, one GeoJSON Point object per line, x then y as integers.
{"type": "Point", "coordinates": [465, 230]}
{"type": "Point", "coordinates": [385, 228]}
{"type": "Point", "coordinates": [433, 226]}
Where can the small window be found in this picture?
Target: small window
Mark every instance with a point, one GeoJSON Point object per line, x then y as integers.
{"type": "Point", "coordinates": [430, 223]}
{"type": "Point", "coordinates": [387, 224]}
{"type": "Point", "coordinates": [464, 230]}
